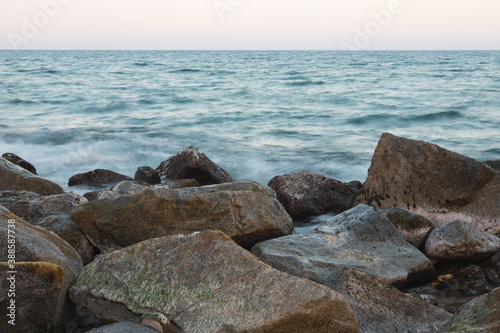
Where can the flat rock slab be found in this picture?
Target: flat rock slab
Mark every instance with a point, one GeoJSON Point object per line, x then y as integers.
{"type": "Point", "coordinates": [360, 238]}
{"type": "Point", "coordinates": [204, 282]}
{"type": "Point", "coordinates": [13, 177]}
{"type": "Point", "coordinates": [458, 241]}
{"type": "Point", "coordinates": [433, 182]}
{"type": "Point", "coordinates": [246, 211]}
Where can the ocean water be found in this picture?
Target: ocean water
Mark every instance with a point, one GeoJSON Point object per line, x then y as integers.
{"type": "Point", "coordinates": [258, 114]}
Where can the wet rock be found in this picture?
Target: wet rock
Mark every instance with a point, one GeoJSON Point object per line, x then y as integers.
{"type": "Point", "coordinates": [13, 158]}
{"type": "Point", "coordinates": [307, 194]}
{"type": "Point", "coordinates": [495, 164]}
{"type": "Point", "coordinates": [360, 238]}
{"type": "Point", "coordinates": [123, 328]}
{"type": "Point", "coordinates": [190, 163]}
{"type": "Point", "coordinates": [97, 177]}
{"type": "Point", "coordinates": [147, 175]}
{"type": "Point", "coordinates": [204, 282]}
{"type": "Point", "coordinates": [460, 240]}
{"type": "Point", "coordinates": [13, 177]}
{"type": "Point", "coordinates": [433, 182]}
{"type": "Point", "coordinates": [47, 266]}
{"type": "Point", "coordinates": [479, 315]}
{"type": "Point", "coordinates": [414, 228]}
{"type": "Point", "coordinates": [246, 211]}
{"type": "Point", "coordinates": [381, 308]}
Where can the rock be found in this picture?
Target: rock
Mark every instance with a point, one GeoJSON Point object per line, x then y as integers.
{"type": "Point", "coordinates": [204, 282]}
{"type": "Point", "coordinates": [123, 328]}
{"type": "Point", "coordinates": [190, 163]}
{"type": "Point", "coordinates": [414, 228]}
{"type": "Point", "coordinates": [494, 230]}
{"type": "Point", "coordinates": [479, 315]}
{"type": "Point", "coordinates": [180, 183]}
{"type": "Point", "coordinates": [148, 175]}
{"type": "Point", "coordinates": [491, 268]}
{"type": "Point", "coordinates": [97, 177]}
{"type": "Point", "coordinates": [495, 165]}
{"type": "Point", "coordinates": [459, 241]}
{"type": "Point", "coordinates": [360, 238]}
{"type": "Point", "coordinates": [307, 194]}
{"type": "Point", "coordinates": [433, 182]}
{"type": "Point", "coordinates": [83, 321]}
{"type": "Point", "coordinates": [380, 308]}
{"type": "Point", "coordinates": [13, 158]}
{"type": "Point", "coordinates": [13, 177]}
{"type": "Point", "coordinates": [246, 211]}
{"type": "Point", "coordinates": [47, 266]}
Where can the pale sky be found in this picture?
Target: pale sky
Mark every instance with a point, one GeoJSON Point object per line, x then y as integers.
{"type": "Point", "coordinates": [250, 24]}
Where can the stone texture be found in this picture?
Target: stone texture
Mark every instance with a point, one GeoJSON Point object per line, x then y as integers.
{"type": "Point", "coordinates": [248, 212]}
{"type": "Point", "coordinates": [494, 230]}
{"type": "Point", "coordinates": [458, 241]}
{"type": "Point", "coordinates": [491, 268]}
{"type": "Point", "coordinates": [495, 164]}
{"type": "Point", "coordinates": [97, 177]}
{"type": "Point", "coordinates": [433, 182]}
{"type": "Point", "coordinates": [190, 163]}
{"type": "Point", "coordinates": [13, 177]}
{"type": "Point", "coordinates": [44, 259]}
{"type": "Point", "coordinates": [481, 315]}
{"type": "Point", "coordinates": [307, 194]}
{"type": "Point", "coordinates": [147, 175]}
{"type": "Point", "coordinates": [360, 238]}
{"type": "Point", "coordinates": [204, 282]}
{"type": "Point", "coordinates": [381, 308]}
{"type": "Point", "coordinates": [83, 320]}
{"type": "Point", "coordinates": [13, 158]}
{"type": "Point", "coordinates": [414, 228]}
{"type": "Point", "coordinates": [122, 328]}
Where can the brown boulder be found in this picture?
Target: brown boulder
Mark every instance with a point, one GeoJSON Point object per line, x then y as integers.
{"type": "Point", "coordinates": [13, 158]}
{"type": "Point", "coordinates": [147, 175]}
{"type": "Point", "coordinates": [307, 194]}
{"type": "Point", "coordinates": [15, 178]}
{"type": "Point", "coordinates": [495, 165]}
{"type": "Point", "coordinates": [97, 177]}
{"type": "Point", "coordinates": [191, 163]}
{"type": "Point", "coordinates": [433, 182]}
{"type": "Point", "coordinates": [204, 282]}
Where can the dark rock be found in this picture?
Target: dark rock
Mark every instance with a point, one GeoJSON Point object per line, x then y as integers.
{"type": "Point", "coordinates": [360, 238]}
{"type": "Point", "coordinates": [458, 241]}
{"type": "Point", "coordinates": [190, 163]}
{"type": "Point", "coordinates": [414, 228]}
{"type": "Point", "coordinates": [495, 165]}
{"type": "Point", "coordinates": [15, 178]}
{"type": "Point", "coordinates": [123, 328]}
{"type": "Point", "coordinates": [13, 158]}
{"type": "Point", "coordinates": [148, 175]}
{"type": "Point", "coordinates": [479, 315]}
{"type": "Point", "coordinates": [433, 182]}
{"type": "Point", "coordinates": [246, 211]}
{"type": "Point", "coordinates": [307, 194]}
{"type": "Point", "coordinates": [83, 321]}
{"type": "Point", "coordinates": [491, 268]}
{"type": "Point", "coordinates": [204, 282]}
{"type": "Point", "coordinates": [97, 177]}
{"type": "Point", "coordinates": [92, 196]}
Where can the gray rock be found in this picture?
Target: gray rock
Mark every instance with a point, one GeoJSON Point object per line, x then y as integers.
{"type": "Point", "coordinates": [123, 328]}
{"type": "Point", "coordinates": [13, 177]}
{"type": "Point", "coordinates": [481, 315]}
{"type": "Point", "coordinates": [97, 177]}
{"type": "Point", "coordinates": [306, 194]}
{"type": "Point", "coordinates": [13, 158]}
{"type": "Point", "coordinates": [205, 282]}
{"type": "Point", "coordinates": [361, 238]}
{"type": "Point", "coordinates": [248, 212]}
{"type": "Point", "coordinates": [459, 241]}
{"type": "Point", "coordinates": [83, 320]}
{"type": "Point", "coordinates": [433, 182]}
{"type": "Point", "coordinates": [491, 268]}
{"type": "Point", "coordinates": [147, 175]}
{"type": "Point", "coordinates": [495, 164]}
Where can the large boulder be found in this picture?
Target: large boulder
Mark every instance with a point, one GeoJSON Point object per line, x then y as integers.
{"type": "Point", "coordinates": [147, 175]}
{"type": "Point", "coordinates": [46, 267]}
{"type": "Point", "coordinates": [13, 177]}
{"type": "Point", "coordinates": [97, 177]}
{"type": "Point", "coordinates": [13, 158]}
{"type": "Point", "coordinates": [190, 163]}
{"type": "Point", "coordinates": [481, 315]}
{"type": "Point", "coordinates": [204, 282]}
{"type": "Point", "coordinates": [381, 308]}
{"type": "Point", "coordinates": [307, 194]}
{"type": "Point", "coordinates": [246, 211]}
{"type": "Point", "coordinates": [458, 241]}
{"type": "Point", "coordinates": [431, 181]}
{"type": "Point", "coordinates": [360, 238]}
{"type": "Point", "coordinates": [123, 328]}
{"type": "Point", "coordinates": [495, 164]}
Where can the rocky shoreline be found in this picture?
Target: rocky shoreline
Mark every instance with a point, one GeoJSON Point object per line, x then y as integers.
{"type": "Point", "coordinates": [184, 248]}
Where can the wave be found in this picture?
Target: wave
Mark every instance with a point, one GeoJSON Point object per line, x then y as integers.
{"type": "Point", "coordinates": [301, 83]}
{"type": "Point", "coordinates": [186, 70]}
{"type": "Point", "coordinates": [387, 117]}
{"type": "Point", "coordinates": [17, 101]}
{"type": "Point", "coordinates": [141, 64]}
{"type": "Point", "coordinates": [444, 115]}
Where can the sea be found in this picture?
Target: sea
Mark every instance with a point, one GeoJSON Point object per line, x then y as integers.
{"type": "Point", "coordinates": [257, 114]}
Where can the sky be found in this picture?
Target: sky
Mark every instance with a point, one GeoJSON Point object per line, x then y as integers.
{"type": "Point", "coordinates": [250, 24]}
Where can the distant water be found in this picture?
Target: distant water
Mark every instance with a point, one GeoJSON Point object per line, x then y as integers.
{"type": "Point", "coordinates": [257, 114]}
